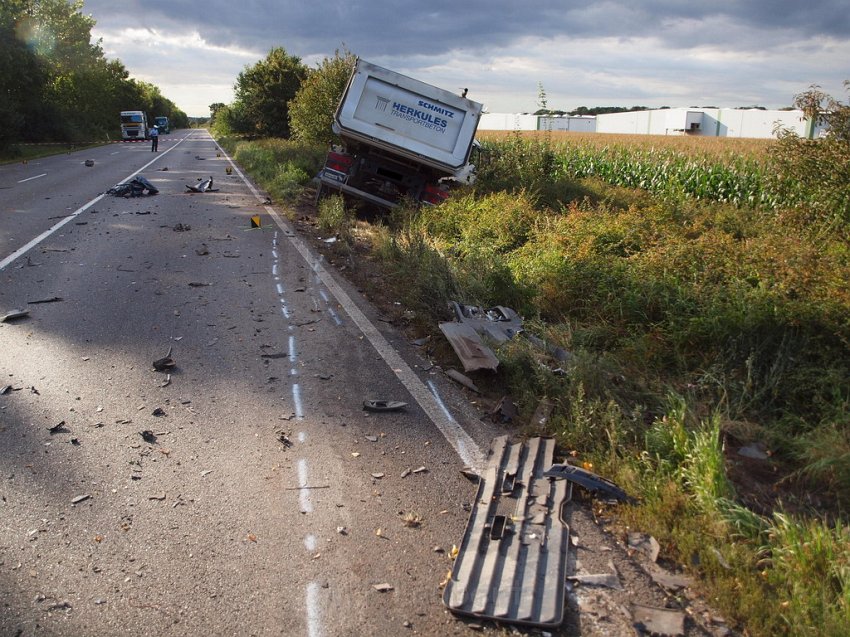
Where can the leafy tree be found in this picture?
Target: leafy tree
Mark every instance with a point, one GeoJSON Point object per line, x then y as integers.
{"type": "Point", "coordinates": [312, 110]}
{"type": "Point", "coordinates": [264, 90]}
{"type": "Point", "coordinates": [817, 171]}
{"type": "Point", "coordinates": [55, 84]}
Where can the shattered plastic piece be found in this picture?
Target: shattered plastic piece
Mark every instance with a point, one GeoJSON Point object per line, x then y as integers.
{"type": "Point", "coordinates": [608, 580]}
{"type": "Point", "coordinates": [510, 568]}
{"type": "Point", "coordinates": [203, 185]}
{"type": "Point", "coordinates": [659, 621]}
{"type": "Point", "coordinates": [646, 544]}
{"type": "Point", "coordinates": [463, 380]}
{"type": "Point", "coordinates": [148, 436]}
{"type": "Point", "coordinates": [181, 227]}
{"type": "Point", "coordinates": [163, 364]}
{"type": "Point", "coordinates": [284, 439]}
{"type": "Point", "coordinates": [5, 390]}
{"type": "Point", "coordinates": [383, 405]}
{"type": "Point", "coordinates": [14, 315]}
{"type": "Point", "coordinates": [505, 411]}
{"type": "Point", "coordinates": [466, 342]}
{"type": "Point", "coordinates": [382, 588]}
{"type": "Point", "coordinates": [588, 480]}
{"type": "Point", "coordinates": [58, 428]}
{"type": "Point", "coordinates": [672, 581]}
{"type": "Point", "coordinates": [377, 476]}
{"type": "Point", "coordinates": [498, 323]}
{"type": "Point", "coordinates": [420, 470]}
{"type": "Point", "coordinates": [89, 163]}
{"type": "Point", "coordinates": [158, 412]}
{"type": "Point", "coordinates": [80, 498]}
{"type": "Point", "coordinates": [54, 299]}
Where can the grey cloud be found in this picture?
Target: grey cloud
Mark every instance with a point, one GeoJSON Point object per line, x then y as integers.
{"type": "Point", "coordinates": [383, 27]}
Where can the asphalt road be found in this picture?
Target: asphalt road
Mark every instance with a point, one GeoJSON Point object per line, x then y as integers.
{"type": "Point", "coordinates": [267, 501]}
{"type": "Point", "coordinates": [244, 491]}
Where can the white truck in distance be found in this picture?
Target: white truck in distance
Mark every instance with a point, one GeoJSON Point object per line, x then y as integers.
{"type": "Point", "coordinates": [401, 138]}
{"type": "Point", "coordinates": [134, 125]}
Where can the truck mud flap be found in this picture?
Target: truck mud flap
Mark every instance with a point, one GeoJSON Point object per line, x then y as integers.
{"type": "Point", "coordinates": [511, 566]}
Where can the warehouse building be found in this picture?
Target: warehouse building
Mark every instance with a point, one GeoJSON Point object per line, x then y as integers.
{"type": "Point", "coordinates": [708, 122]}
{"type": "Point", "coordinates": [526, 121]}
{"type": "Point", "coordinates": [700, 122]}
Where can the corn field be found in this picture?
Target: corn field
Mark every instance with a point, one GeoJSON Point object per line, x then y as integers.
{"type": "Point", "coordinates": [737, 172]}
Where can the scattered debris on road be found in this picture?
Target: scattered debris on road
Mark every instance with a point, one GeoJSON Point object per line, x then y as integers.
{"type": "Point", "coordinates": [58, 428]}
{"type": "Point", "coordinates": [182, 227]}
{"type": "Point", "coordinates": [165, 363]}
{"type": "Point", "coordinates": [283, 438]}
{"type": "Point", "coordinates": [138, 186]}
{"type": "Point", "coordinates": [80, 498]}
{"type": "Point", "coordinates": [204, 185]}
{"type": "Point", "coordinates": [89, 163]}
{"type": "Point", "coordinates": [383, 405]}
{"type": "Point", "coordinates": [383, 588]}
{"type": "Point", "coordinates": [148, 436]}
{"type": "Point", "coordinates": [14, 315]}
{"type": "Point", "coordinates": [53, 299]}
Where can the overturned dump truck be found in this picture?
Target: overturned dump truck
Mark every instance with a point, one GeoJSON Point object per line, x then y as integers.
{"type": "Point", "coordinates": [401, 138]}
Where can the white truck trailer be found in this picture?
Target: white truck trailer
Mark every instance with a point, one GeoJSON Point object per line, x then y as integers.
{"type": "Point", "coordinates": [134, 125]}
{"type": "Point", "coordinates": [401, 138]}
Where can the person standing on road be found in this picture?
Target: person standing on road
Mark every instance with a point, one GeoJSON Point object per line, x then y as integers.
{"type": "Point", "coordinates": [154, 139]}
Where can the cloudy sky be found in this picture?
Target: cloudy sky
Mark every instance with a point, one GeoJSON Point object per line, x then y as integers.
{"type": "Point", "coordinates": [641, 52]}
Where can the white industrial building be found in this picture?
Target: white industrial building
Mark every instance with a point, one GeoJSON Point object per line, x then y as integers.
{"type": "Point", "coordinates": [707, 122]}
{"type": "Point", "coordinates": [703, 122]}
{"type": "Point", "coordinates": [525, 121]}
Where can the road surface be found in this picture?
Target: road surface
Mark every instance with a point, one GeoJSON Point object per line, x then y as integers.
{"type": "Point", "coordinates": [243, 491]}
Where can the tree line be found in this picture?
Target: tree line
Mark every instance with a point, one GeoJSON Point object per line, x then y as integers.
{"type": "Point", "coordinates": [280, 96]}
{"type": "Point", "coordinates": [57, 86]}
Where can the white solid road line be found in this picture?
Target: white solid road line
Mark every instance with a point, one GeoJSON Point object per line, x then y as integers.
{"type": "Point", "coordinates": [34, 242]}
{"type": "Point", "coordinates": [462, 442]}
{"type": "Point", "coordinates": [20, 181]}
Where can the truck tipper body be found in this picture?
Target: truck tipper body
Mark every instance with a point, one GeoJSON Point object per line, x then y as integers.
{"type": "Point", "coordinates": [134, 125]}
{"type": "Point", "coordinates": [400, 138]}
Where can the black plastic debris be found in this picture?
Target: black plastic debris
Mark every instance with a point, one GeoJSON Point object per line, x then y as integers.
{"type": "Point", "coordinates": [138, 186]}
{"type": "Point", "coordinates": [148, 436]}
{"type": "Point", "coordinates": [158, 412]}
{"type": "Point", "coordinates": [58, 428]}
{"type": "Point", "coordinates": [54, 299]}
{"type": "Point", "coordinates": [590, 481]}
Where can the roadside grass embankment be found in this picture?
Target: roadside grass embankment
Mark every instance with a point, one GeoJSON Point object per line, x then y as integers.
{"type": "Point", "coordinates": [697, 323]}
{"type": "Point", "coordinates": [26, 152]}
